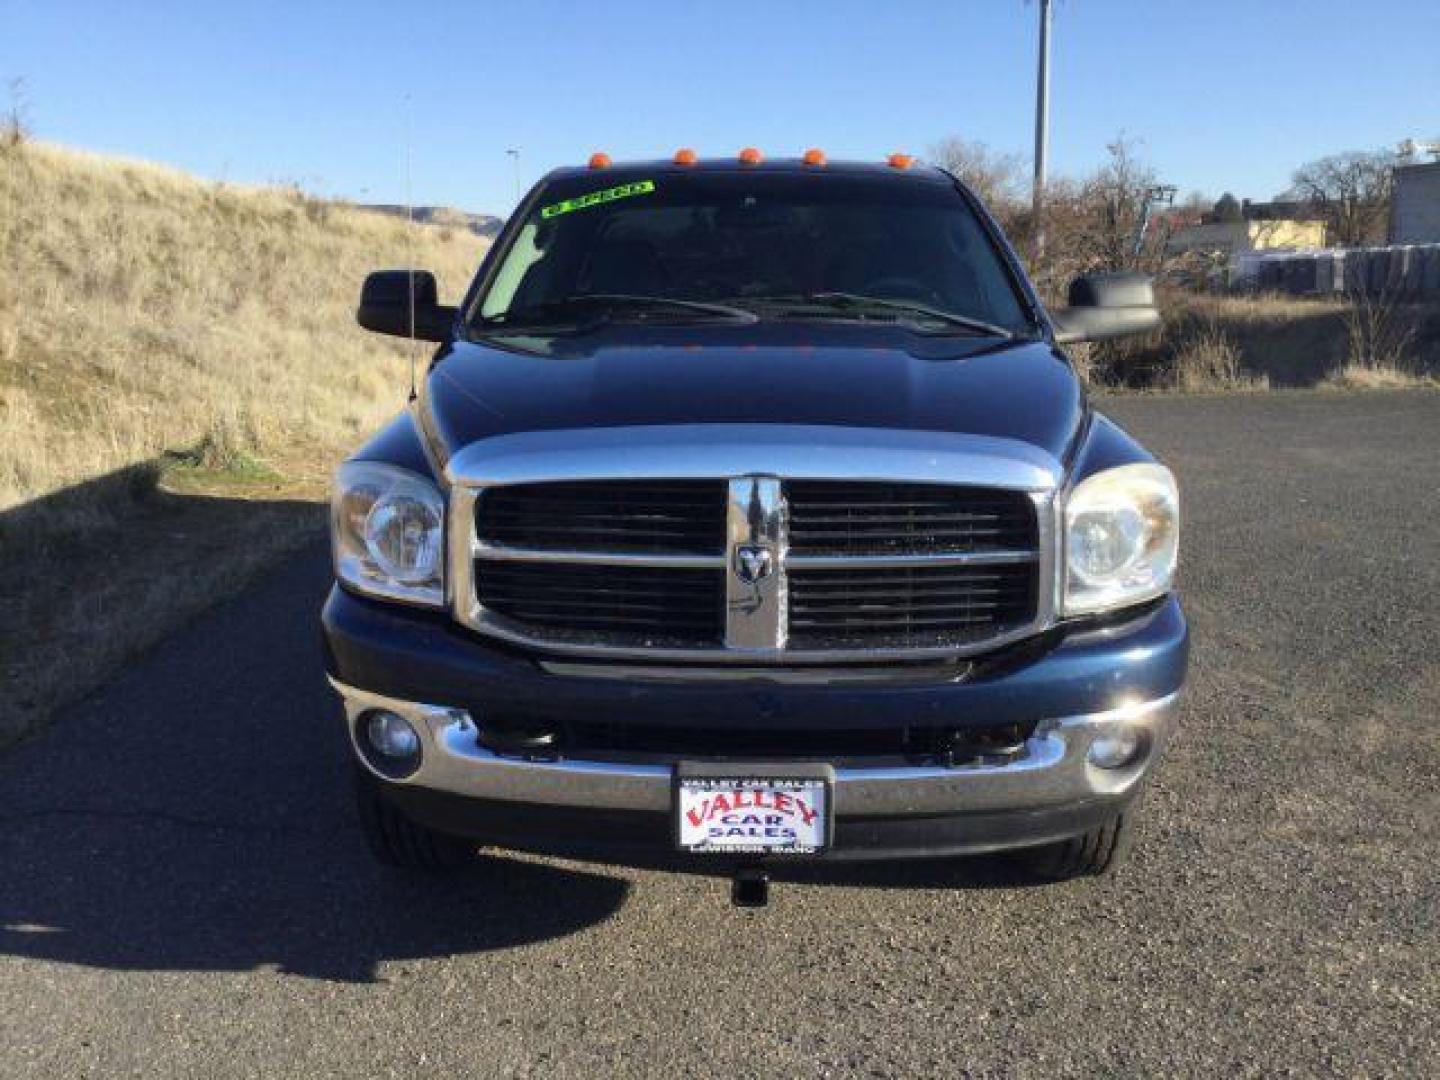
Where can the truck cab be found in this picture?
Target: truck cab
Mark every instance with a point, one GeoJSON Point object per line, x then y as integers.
{"type": "Point", "coordinates": [750, 510]}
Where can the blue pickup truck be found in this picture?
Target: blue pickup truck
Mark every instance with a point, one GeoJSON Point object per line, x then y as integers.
{"type": "Point", "coordinates": [751, 511]}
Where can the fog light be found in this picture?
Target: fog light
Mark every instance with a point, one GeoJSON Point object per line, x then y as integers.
{"type": "Point", "coordinates": [1116, 747]}
{"type": "Point", "coordinates": [391, 736]}
{"type": "Point", "coordinates": [388, 742]}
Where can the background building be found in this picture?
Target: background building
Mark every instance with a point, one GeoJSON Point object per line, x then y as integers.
{"type": "Point", "coordinates": [1234, 237]}
{"type": "Point", "coordinates": [1415, 204]}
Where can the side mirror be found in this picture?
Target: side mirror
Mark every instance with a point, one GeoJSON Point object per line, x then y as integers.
{"type": "Point", "coordinates": [386, 306]}
{"type": "Point", "coordinates": [1106, 306]}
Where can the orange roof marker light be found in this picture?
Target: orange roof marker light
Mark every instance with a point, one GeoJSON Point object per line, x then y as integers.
{"type": "Point", "coordinates": [685, 156]}
{"type": "Point", "coordinates": [814, 157]}
{"type": "Point", "coordinates": [751, 156]}
{"type": "Point", "coordinates": [900, 161]}
{"type": "Point", "coordinates": [599, 160]}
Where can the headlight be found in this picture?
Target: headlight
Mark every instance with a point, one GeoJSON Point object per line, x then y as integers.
{"type": "Point", "coordinates": [1122, 533]}
{"type": "Point", "coordinates": [387, 526]}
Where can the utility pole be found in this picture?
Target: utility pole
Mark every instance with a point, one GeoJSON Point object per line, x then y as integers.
{"type": "Point", "coordinates": [1042, 135]}
{"type": "Point", "coordinates": [515, 158]}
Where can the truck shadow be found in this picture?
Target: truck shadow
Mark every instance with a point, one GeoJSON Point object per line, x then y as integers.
{"type": "Point", "coordinates": [196, 815]}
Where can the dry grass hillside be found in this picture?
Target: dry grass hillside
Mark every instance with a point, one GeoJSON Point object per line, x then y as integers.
{"type": "Point", "coordinates": [179, 370]}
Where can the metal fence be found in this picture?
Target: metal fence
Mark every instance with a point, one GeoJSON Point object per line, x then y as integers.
{"type": "Point", "coordinates": [1400, 271]}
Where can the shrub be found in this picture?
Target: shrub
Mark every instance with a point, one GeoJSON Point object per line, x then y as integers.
{"type": "Point", "coordinates": [1379, 332]}
{"type": "Point", "coordinates": [1206, 358]}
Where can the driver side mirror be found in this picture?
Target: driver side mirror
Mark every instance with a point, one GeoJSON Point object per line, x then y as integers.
{"type": "Point", "coordinates": [386, 305]}
{"type": "Point", "coordinates": [1106, 306]}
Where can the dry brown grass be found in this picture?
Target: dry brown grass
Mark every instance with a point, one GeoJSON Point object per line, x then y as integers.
{"type": "Point", "coordinates": [1223, 342]}
{"type": "Point", "coordinates": [1206, 360]}
{"type": "Point", "coordinates": [156, 329]}
{"type": "Point", "coordinates": [1381, 337]}
{"type": "Point", "coordinates": [144, 311]}
{"type": "Point", "coordinates": [1372, 377]}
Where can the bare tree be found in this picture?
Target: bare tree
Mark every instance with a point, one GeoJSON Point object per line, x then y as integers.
{"type": "Point", "coordinates": [996, 177]}
{"type": "Point", "coordinates": [1351, 192]}
{"type": "Point", "coordinates": [1197, 204]}
{"type": "Point", "coordinates": [1118, 192]}
{"type": "Point", "coordinates": [1090, 223]}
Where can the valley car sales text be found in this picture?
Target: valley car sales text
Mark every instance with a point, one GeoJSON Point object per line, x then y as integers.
{"type": "Point", "coordinates": [753, 815]}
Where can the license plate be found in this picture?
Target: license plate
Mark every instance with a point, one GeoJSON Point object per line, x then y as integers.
{"type": "Point", "coordinates": [754, 815]}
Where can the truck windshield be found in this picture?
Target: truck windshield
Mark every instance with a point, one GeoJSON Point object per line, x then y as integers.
{"type": "Point", "coordinates": [744, 245]}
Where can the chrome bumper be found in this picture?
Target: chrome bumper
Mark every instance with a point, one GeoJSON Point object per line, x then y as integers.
{"type": "Point", "coordinates": [1054, 769]}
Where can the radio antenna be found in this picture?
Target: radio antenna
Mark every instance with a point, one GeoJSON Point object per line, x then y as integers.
{"type": "Point", "coordinates": [410, 249]}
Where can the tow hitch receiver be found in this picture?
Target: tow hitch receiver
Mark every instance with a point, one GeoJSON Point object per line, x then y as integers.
{"type": "Point", "coordinates": [750, 888]}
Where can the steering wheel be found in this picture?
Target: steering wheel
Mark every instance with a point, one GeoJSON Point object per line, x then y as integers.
{"type": "Point", "coordinates": [899, 288]}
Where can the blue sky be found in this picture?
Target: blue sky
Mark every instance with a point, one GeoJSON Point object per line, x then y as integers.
{"type": "Point", "coordinates": [1222, 95]}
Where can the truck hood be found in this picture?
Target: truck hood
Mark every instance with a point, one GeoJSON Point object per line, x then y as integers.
{"type": "Point", "coordinates": [848, 376]}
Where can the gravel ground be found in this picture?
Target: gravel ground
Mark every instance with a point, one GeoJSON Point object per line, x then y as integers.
{"type": "Point", "coordinates": [183, 891]}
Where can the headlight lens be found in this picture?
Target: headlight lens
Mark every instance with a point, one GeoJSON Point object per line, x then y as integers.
{"type": "Point", "coordinates": [1122, 534]}
{"type": "Point", "coordinates": [388, 529]}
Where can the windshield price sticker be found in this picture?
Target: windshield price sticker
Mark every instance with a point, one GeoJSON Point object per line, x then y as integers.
{"type": "Point", "coordinates": [753, 815]}
{"type": "Point", "coordinates": [597, 198]}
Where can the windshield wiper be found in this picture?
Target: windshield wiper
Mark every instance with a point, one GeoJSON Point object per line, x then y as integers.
{"type": "Point", "coordinates": [845, 301]}
{"type": "Point", "coordinates": [599, 308]}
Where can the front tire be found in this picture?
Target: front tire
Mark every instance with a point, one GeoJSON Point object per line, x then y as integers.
{"type": "Point", "coordinates": [1096, 853]}
{"type": "Point", "coordinates": [397, 841]}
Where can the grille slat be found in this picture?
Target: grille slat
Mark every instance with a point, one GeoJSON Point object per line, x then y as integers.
{"type": "Point", "coordinates": [874, 522]}
{"type": "Point", "coordinates": [938, 506]}
{"type": "Point", "coordinates": [884, 605]}
{"type": "Point", "coordinates": [847, 582]}
{"type": "Point", "coordinates": [887, 622]}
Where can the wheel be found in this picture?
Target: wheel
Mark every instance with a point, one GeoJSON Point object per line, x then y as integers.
{"type": "Point", "coordinates": [1091, 854]}
{"type": "Point", "coordinates": [397, 841]}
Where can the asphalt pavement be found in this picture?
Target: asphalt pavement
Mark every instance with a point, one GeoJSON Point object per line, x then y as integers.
{"type": "Point", "coordinates": [183, 890]}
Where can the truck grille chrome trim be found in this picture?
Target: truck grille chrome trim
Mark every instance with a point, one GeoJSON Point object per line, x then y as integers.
{"type": "Point", "coordinates": [755, 542]}
{"type": "Point", "coordinates": [964, 527]}
{"type": "Point", "coordinates": [598, 558]}
{"type": "Point", "coordinates": [895, 561]}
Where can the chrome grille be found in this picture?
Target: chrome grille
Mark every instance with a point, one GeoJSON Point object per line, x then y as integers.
{"type": "Point", "coordinates": [837, 569]}
{"type": "Point", "coordinates": [829, 517]}
{"type": "Point", "coordinates": [908, 606]}
{"type": "Point", "coordinates": [642, 604]}
{"type": "Point", "coordinates": [678, 516]}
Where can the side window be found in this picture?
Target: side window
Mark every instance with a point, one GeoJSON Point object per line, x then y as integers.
{"type": "Point", "coordinates": [525, 254]}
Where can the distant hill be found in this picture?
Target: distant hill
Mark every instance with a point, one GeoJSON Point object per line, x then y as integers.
{"type": "Point", "coordinates": [486, 225]}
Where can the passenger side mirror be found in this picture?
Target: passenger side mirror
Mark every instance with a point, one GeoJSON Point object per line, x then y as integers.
{"type": "Point", "coordinates": [386, 306]}
{"type": "Point", "coordinates": [1106, 306]}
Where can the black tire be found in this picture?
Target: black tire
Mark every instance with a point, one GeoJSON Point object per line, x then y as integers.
{"type": "Point", "coordinates": [397, 841]}
{"type": "Point", "coordinates": [1091, 854]}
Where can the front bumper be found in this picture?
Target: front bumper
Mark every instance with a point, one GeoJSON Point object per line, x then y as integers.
{"type": "Point", "coordinates": [1081, 686]}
